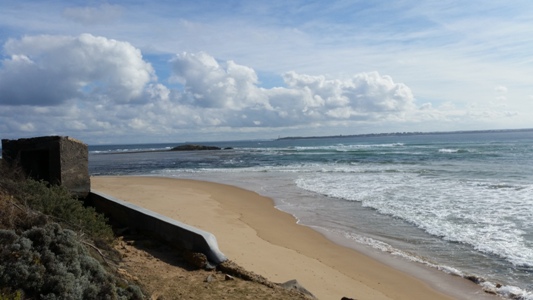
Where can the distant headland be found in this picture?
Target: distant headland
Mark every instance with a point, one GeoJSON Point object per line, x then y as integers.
{"type": "Point", "coordinates": [404, 134]}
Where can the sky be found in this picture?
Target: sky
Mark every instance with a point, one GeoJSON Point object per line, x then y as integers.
{"type": "Point", "coordinates": [117, 72]}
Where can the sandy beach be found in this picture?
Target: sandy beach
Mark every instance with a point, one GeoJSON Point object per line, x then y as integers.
{"type": "Point", "coordinates": [254, 234]}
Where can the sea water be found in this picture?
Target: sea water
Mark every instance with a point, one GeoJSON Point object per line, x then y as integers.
{"type": "Point", "coordinates": [461, 203]}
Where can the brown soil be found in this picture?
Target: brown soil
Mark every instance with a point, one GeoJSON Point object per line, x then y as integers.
{"type": "Point", "coordinates": [165, 273]}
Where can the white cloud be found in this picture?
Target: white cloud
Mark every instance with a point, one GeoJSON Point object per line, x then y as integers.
{"type": "Point", "coordinates": [227, 86]}
{"type": "Point", "coordinates": [212, 85]}
{"type": "Point", "coordinates": [87, 15]}
{"type": "Point", "coordinates": [27, 127]}
{"type": "Point", "coordinates": [89, 86]}
{"type": "Point", "coordinates": [365, 92]}
{"type": "Point", "coordinates": [49, 70]}
{"type": "Point", "coordinates": [500, 89]}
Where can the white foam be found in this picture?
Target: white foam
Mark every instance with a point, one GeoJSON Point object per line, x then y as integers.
{"type": "Point", "coordinates": [337, 147]}
{"type": "Point", "coordinates": [507, 291]}
{"type": "Point", "coordinates": [448, 150]}
{"type": "Point", "coordinates": [492, 217]}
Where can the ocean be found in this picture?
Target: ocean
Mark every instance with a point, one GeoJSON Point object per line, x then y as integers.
{"type": "Point", "coordinates": [461, 203]}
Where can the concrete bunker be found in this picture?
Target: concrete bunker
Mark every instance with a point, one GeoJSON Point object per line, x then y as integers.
{"type": "Point", "coordinates": [59, 160]}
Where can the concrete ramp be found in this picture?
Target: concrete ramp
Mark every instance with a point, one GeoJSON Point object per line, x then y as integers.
{"type": "Point", "coordinates": [168, 229]}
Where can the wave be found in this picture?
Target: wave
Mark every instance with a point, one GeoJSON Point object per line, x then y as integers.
{"type": "Point", "coordinates": [445, 150]}
{"type": "Point", "coordinates": [492, 220]}
{"type": "Point", "coordinates": [324, 148]}
{"type": "Point", "coordinates": [128, 150]}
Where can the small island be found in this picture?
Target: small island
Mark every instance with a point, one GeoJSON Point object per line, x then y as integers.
{"type": "Point", "coordinates": [193, 147]}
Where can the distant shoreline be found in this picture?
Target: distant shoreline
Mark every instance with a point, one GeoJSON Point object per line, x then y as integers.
{"type": "Point", "coordinates": [403, 134]}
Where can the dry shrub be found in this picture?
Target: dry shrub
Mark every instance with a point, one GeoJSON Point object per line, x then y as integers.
{"type": "Point", "coordinates": [51, 263]}
{"type": "Point", "coordinates": [19, 195]}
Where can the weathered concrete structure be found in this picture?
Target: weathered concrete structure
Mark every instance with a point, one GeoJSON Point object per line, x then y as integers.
{"type": "Point", "coordinates": [59, 160]}
{"type": "Point", "coordinates": [165, 228]}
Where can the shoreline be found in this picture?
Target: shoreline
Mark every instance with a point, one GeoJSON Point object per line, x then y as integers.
{"type": "Point", "coordinates": [265, 240]}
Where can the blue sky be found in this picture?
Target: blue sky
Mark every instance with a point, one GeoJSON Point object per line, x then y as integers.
{"type": "Point", "coordinates": [169, 71]}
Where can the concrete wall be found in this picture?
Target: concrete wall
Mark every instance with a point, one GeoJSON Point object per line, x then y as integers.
{"type": "Point", "coordinates": [170, 230]}
{"type": "Point", "coordinates": [74, 162]}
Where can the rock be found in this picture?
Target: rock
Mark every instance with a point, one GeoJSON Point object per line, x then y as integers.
{"type": "Point", "coordinates": [210, 278]}
{"type": "Point", "coordinates": [235, 270]}
{"type": "Point", "coordinates": [346, 298]}
{"type": "Point", "coordinates": [228, 277]}
{"type": "Point", "coordinates": [474, 279]}
{"type": "Point", "coordinates": [198, 260]}
{"type": "Point", "coordinates": [192, 147]}
{"type": "Point", "coordinates": [294, 285]}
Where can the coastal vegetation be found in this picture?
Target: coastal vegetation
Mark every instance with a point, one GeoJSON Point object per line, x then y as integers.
{"type": "Point", "coordinates": [52, 247]}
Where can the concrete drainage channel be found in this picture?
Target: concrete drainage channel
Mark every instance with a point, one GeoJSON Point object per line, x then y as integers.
{"type": "Point", "coordinates": [170, 230]}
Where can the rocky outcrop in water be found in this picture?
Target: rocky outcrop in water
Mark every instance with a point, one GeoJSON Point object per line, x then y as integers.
{"type": "Point", "coordinates": [192, 147]}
